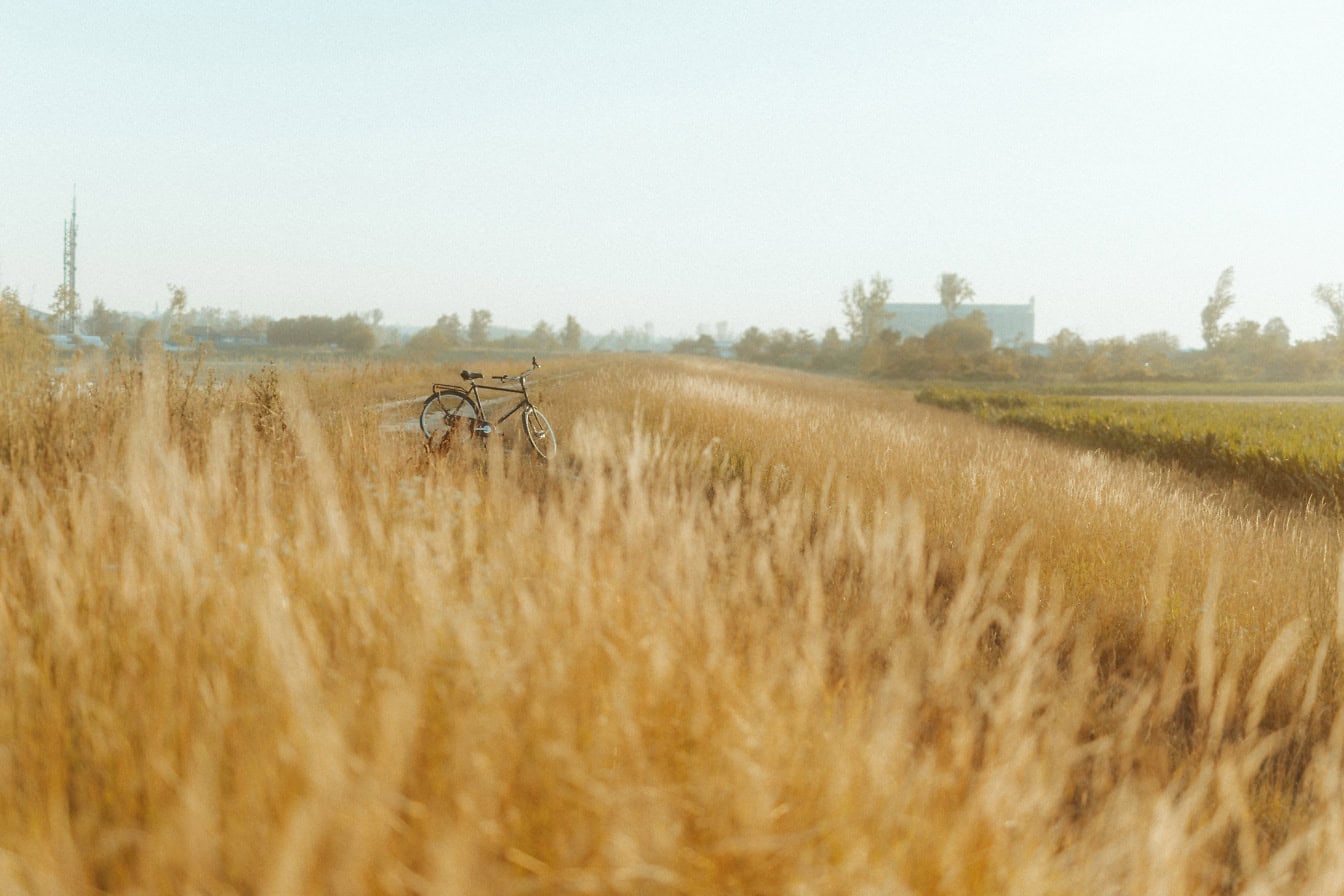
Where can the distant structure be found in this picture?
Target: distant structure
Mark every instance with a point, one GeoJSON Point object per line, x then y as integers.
{"type": "Point", "coordinates": [1010, 324]}
{"type": "Point", "coordinates": [71, 235]}
{"type": "Point", "coordinates": [65, 304]}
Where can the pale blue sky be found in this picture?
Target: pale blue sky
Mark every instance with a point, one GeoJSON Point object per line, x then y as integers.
{"type": "Point", "coordinates": [679, 163]}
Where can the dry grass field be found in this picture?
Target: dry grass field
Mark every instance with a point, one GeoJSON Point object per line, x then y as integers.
{"type": "Point", "coordinates": [754, 632]}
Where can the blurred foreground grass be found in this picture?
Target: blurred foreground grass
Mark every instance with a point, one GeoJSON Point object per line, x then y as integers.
{"type": "Point", "coordinates": [755, 632]}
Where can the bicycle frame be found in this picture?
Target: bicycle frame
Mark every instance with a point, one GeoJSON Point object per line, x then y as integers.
{"type": "Point", "coordinates": [474, 386]}
{"type": "Point", "coordinates": [521, 390]}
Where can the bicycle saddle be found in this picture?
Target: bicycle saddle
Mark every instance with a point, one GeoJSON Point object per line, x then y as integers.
{"type": "Point", "coordinates": [470, 375]}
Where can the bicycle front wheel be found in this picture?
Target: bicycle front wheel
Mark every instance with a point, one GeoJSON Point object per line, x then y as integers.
{"type": "Point", "coordinates": [539, 432]}
{"type": "Point", "coordinates": [449, 419]}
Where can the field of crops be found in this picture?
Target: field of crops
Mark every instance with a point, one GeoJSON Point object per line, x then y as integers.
{"type": "Point", "coordinates": [1283, 450]}
{"type": "Point", "coordinates": [755, 631]}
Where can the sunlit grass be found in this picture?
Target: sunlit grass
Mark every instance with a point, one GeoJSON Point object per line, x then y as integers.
{"type": "Point", "coordinates": [753, 631]}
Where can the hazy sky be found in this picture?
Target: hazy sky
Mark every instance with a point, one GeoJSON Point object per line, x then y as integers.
{"type": "Point", "coordinates": [681, 162]}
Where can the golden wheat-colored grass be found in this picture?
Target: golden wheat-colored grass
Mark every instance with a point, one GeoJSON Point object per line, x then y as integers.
{"type": "Point", "coordinates": [754, 632]}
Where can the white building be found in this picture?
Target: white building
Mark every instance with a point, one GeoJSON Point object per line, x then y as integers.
{"type": "Point", "coordinates": [1010, 324]}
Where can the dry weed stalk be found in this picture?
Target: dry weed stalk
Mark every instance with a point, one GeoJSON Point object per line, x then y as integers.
{"type": "Point", "coordinates": [718, 649]}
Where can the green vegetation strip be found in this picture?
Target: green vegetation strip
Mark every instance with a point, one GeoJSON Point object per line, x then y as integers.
{"type": "Point", "coordinates": [1282, 450]}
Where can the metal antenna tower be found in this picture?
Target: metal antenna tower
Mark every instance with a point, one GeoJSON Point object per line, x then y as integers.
{"type": "Point", "coordinates": [71, 231]}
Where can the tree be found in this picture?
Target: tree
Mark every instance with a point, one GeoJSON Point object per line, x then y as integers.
{"type": "Point", "coordinates": [1068, 351]}
{"type": "Point", "coordinates": [831, 351]}
{"type": "Point", "coordinates": [24, 345]}
{"type": "Point", "coordinates": [107, 324]}
{"type": "Point", "coordinates": [430, 344]}
{"type": "Point", "coordinates": [313, 331]}
{"type": "Point", "coordinates": [953, 292]}
{"type": "Point", "coordinates": [449, 327]}
{"type": "Point", "coordinates": [478, 330]}
{"type": "Point", "coordinates": [701, 345]}
{"type": "Point", "coordinates": [65, 308]}
{"type": "Point", "coordinates": [1211, 317]}
{"type": "Point", "coordinates": [257, 327]}
{"type": "Point", "coordinates": [790, 349]}
{"type": "Point", "coordinates": [1332, 297]}
{"type": "Point", "coordinates": [969, 335]}
{"type": "Point", "coordinates": [209, 321]}
{"type": "Point", "coordinates": [1156, 353]}
{"type": "Point", "coordinates": [1159, 342]}
{"type": "Point", "coordinates": [543, 337]}
{"type": "Point", "coordinates": [148, 341]}
{"type": "Point", "coordinates": [177, 314]}
{"type": "Point", "coordinates": [1276, 333]}
{"type": "Point", "coordinates": [752, 346]}
{"type": "Point", "coordinates": [571, 337]}
{"type": "Point", "coordinates": [866, 310]}
{"type": "Point", "coordinates": [374, 318]}
{"type": "Point", "coordinates": [887, 355]}
{"type": "Point", "coordinates": [354, 335]}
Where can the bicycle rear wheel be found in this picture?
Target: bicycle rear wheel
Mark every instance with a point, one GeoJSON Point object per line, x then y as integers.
{"type": "Point", "coordinates": [449, 419]}
{"type": "Point", "coordinates": [539, 432]}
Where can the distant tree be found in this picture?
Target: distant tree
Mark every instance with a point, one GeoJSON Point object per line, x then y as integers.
{"type": "Point", "coordinates": [830, 352]}
{"type": "Point", "coordinates": [65, 309]}
{"type": "Point", "coordinates": [959, 348]}
{"type": "Point", "coordinates": [622, 340]}
{"type": "Point", "coordinates": [429, 344]}
{"type": "Point", "coordinates": [354, 335]}
{"type": "Point", "coordinates": [963, 336]}
{"type": "Point", "coordinates": [24, 345]}
{"type": "Point", "coordinates": [257, 327]}
{"type": "Point", "coordinates": [449, 327]}
{"type": "Point", "coordinates": [1276, 332]}
{"type": "Point", "coordinates": [1155, 353]}
{"type": "Point", "coordinates": [1113, 359]}
{"type": "Point", "coordinates": [1332, 297]}
{"type": "Point", "coordinates": [1068, 352]}
{"type": "Point", "coordinates": [953, 292]}
{"type": "Point", "coordinates": [107, 324]}
{"type": "Point", "coordinates": [543, 337]}
{"type": "Point", "coordinates": [314, 331]}
{"type": "Point", "coordinates": [1158, 342]}
{"type": "Point", "coordinates": [177, 314]}
{"type": "Point", "coordinates": [866, 309]}
{"type": "Point", "coordinates": [790, 349]}
{"type": "Point", "coordinates": [887, 355]}
{"type": "Point", "coordinates": [571, 337]}
{"type": "Point", "coordinates": [208, 320]}
{"type": "Point", "coordinates": [478, 330]}
{"type": "Point", "coordinates": [1211, 317]}
{"type": "Point", "coordinates": [1250, 352]}
{"type": "Point", "coordinates": [149, 339]}
{"type": "Point", "coordinates": [753, 345]}
{"type": "Point", "coordinates": [702, 345]}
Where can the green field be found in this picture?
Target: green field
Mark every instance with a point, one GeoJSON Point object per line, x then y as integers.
{"type": "Point", "coordinates": [1281, 449]}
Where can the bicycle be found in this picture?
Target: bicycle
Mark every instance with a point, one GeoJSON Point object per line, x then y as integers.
{"type": "Point", "coordinates": [452, 415]}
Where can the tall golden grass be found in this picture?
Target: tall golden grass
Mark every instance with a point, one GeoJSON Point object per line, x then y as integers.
{"type": "Point", "coordinates": [755, 632]}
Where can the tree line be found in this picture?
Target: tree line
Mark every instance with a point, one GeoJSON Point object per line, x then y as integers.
{"type": "Point", "coordinates": [962, 346]}
{"type": "Point", "coordinates": [183, 326]}
{"type": "Point", "coordinates": [449, 333]}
